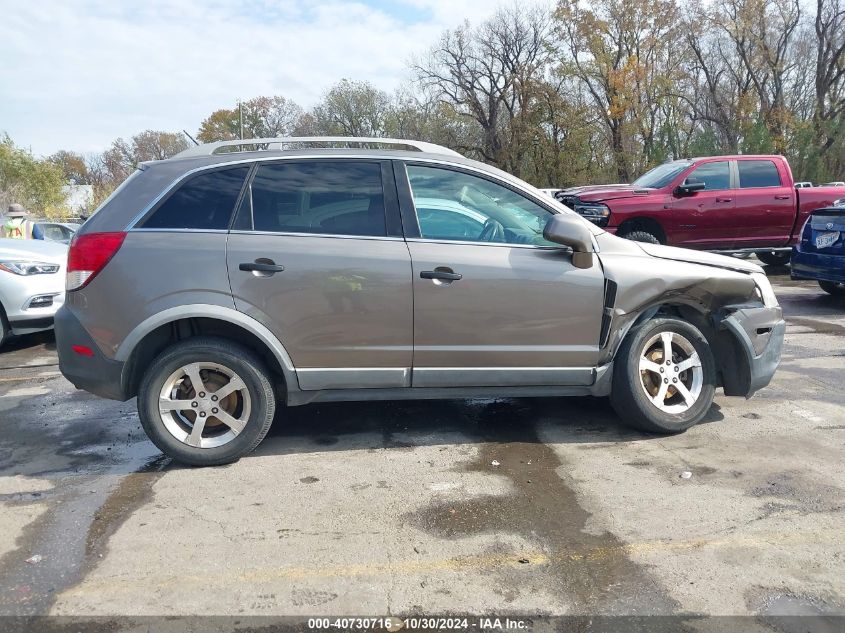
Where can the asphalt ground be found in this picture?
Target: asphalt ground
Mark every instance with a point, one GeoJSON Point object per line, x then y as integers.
{"type": "Point", "coordinates": [493, 506]}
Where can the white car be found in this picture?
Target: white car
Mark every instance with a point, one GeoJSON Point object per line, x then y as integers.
{"type": "Point", "coordinates": [550, 192]}
{"type": "Point", "coordinates": [32, 285]}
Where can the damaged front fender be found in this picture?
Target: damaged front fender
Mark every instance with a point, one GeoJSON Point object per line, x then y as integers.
{"type": "Point", "coordinates": [640, 292]}
{"type": "Point", "coordinates": [760, 331]}
{"type": "Point", "coordinates": [745, 336]}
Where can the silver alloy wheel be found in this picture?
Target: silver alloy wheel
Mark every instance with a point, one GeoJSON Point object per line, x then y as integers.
{"type": "Point", "coordinates": [204, 405]}
{"type": "Point", "coordinates": [670, 372]}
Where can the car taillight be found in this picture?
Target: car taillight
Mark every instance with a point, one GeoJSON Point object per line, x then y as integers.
{"type": "Point", "coordinates": [88, 255]}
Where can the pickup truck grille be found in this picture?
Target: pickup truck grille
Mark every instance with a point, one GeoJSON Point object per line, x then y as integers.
{"type": "Point", "coordinates": [569, 201]}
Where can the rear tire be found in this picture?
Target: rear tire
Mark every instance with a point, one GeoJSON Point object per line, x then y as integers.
{"type": "Point", "coordinates": [833, 288]}
{"type": "Point", "coordinates": [641, 236]}
{"type": "Point", "coordinates": [180, 419]}
{"type": "Point", "coordinates": [774, 258]}
{"type": "Point", "coordinates": [652, 396]}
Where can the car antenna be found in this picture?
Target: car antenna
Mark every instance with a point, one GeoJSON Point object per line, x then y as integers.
{"type": "Point", "coordinates": [190, 137]}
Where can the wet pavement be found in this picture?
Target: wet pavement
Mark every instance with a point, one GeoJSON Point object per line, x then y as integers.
{"type": "Point", "coordinates": [548, 506]}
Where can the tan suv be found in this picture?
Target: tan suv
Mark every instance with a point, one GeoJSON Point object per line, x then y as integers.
{"type": "Point", "coordinates": [243, 275]}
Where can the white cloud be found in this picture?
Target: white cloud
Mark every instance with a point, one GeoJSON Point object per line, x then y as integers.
{"type": "Point", "coordinates": [76, 75]}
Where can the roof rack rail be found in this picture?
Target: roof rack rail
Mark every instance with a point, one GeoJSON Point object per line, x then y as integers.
{"type": "Point", "coordinates": [210, 149]}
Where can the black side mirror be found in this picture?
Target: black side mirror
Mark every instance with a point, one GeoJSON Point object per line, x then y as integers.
{"type": "Point", "coordinates": [572, 231]}
{"type": "Point", "coordinates": [691, 185]}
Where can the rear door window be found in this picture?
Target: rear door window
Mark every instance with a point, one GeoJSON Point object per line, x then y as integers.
{"type": "Point", "coordinates": [758, 173]}
{"type": "Point", "coordinates": [323, 197]}
{"type": "Point", "coordinates": [205, 201]}
{"type": "Point", "coordinates": [715, 175]}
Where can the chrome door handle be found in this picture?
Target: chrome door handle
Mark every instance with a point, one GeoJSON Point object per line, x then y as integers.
{"type": "Point", "coordinates": [442, 275]}
{"type": "Point", "coordinates": [724, 199]}
{"type": "Point", "coordinates": [782, 197]}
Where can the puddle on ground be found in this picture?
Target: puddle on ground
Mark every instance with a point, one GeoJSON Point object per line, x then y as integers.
{"type": "Point", "coordinates": [798, 493]}
{"type": "Point", "coordinates": [591, 571]}
{"type": "Point", "coordinates": [817, 325]}
{"type": "Point", "coordinates": [101, 467]}
{"type": "Point", "coordinates": [793, 613]}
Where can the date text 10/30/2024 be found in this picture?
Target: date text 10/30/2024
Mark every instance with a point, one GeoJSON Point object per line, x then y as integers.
{"type": "Point", "coordinates": [393, 624]}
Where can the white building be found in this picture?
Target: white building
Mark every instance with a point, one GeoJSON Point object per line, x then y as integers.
{"type": "Point", "coordinates": [79, 198]}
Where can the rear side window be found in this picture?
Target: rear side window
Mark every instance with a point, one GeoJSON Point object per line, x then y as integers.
{"type": "Point", "coordinates": [758, 173]}
{"type": "Point", "coordinates": [339, 198]}
{"type": "Point", "coordinates": [714, 175]}
{"type": "Point", "coordinates": [205, 201]}
{"type": "Point", "coordinates": [54, 232]}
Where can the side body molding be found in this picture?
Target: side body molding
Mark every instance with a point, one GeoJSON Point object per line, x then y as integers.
{"type": "Point", "coordinates": [213, 312]}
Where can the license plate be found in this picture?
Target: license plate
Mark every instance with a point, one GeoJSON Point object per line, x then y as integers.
{"type": "Point", "coordinates": [827, 239]}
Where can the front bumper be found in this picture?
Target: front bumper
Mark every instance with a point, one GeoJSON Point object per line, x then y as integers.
{"type": "Point", "coordinates": [97, 374]}
{"type": "Point", "coordinates": [31, 325]}
{"type": "Point", "coordinates": [759, 332]}
{"type": "Point", "coordinates": [817, 266]}
{"type": "Point", "coordinates": [17, 293]}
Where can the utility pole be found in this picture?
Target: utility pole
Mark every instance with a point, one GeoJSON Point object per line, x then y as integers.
{"type": "Point", "coordinates": [241, 118]}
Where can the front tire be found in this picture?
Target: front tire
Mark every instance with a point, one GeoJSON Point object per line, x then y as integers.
{"type": "Point", "coordinates": [833, 288]}
{"type": "Point", "coordinates": [664, 377]}
{"type": "Point", "coordinates": [5, 329]}
{"type": "Point", "coordinates": [206, 401]}
{"type": "Point", "coordinates": [774, 258]}
{"type": "Point", "coordinates": [641, 236]}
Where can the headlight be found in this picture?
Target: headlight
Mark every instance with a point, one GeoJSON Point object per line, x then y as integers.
{"type": "Point", "coordinates": [595, 212]}
{"type": "Point", "coordinates": [24, 267]}
{"type": "Point", "coordinates": [765, 288]}
{"type": "Point", "coordinates": [839, 203]}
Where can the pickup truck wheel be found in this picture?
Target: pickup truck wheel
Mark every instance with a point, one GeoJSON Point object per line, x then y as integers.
{"type": "Point", "coordinates": [641, 236]}
{"type": "Point", "coordinates": [664, 376]}
{"type": "Point", "coordinates": [774, 258]}
{"type": "Point", "coordinates": [206, 401]}
{"type": "Point", "coordinates": [833, 288]}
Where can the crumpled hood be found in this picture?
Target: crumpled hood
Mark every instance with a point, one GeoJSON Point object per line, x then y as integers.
{"type": "Point", "coordinates": [40, 250]}
{"type": "Point", "coordinates": [699, 257]}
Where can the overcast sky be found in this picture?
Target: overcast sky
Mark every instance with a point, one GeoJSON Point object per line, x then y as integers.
{"type": "Point", "coordinates": [76, 74]}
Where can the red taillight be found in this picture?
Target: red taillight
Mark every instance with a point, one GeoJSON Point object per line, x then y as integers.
{"type": "Point", "coordinates": [88, 255]}
{"type": "Point", "coordinates": [83, 350]}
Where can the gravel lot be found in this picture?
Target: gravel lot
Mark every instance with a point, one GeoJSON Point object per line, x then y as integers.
{"type": "Point", "coordinates": [481, 506]}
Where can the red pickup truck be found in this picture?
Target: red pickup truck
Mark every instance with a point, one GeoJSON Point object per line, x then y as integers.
{"type": "Point", "coordinates": [722, 203]}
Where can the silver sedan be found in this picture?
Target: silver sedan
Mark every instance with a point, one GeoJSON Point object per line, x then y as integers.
{"type": "Point", "coordinates": [32, 285]}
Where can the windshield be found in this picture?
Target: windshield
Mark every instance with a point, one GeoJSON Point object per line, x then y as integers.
{"type": "Point", "coordinates": [661, 175]}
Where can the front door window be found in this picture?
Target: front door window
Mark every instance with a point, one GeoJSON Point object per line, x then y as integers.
{"type": "Point", "coordinates": [715, 176]}
{"type": "Point", "coordinates": [453, 205]}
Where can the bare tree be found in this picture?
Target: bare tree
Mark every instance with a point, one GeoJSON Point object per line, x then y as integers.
{"type": "Point", "coordinates": [262, 117]}
{"type": "Point", "coordinates": [490, 75]}
{"type": "Point", "coordinates": [762, 33]}
{"type": "Point", "coordinates": [830, 71]}
{"type": "Point", "coordinates": [626, 55]}
{"type": "Point", "coordinates": [718, 82]}
{"type": "Point", "coordinates": [353, 108]}
{"type": "Point", "coordinates": [267, 117]}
